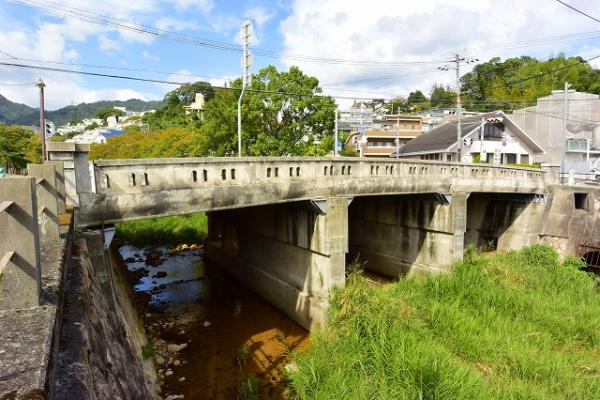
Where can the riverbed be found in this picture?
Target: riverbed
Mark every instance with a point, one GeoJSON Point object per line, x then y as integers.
{"type": "Point", "coordinates": [210, 337]}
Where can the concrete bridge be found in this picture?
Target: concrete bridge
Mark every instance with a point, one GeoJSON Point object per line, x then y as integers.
{"type": "Point", "coordinates": [286, 227]}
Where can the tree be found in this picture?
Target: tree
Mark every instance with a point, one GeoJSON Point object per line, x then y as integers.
{"type": "Point", "coordinates": [104, 113]}
{"type": "Point", "coordinates": [442, 97]}
{"type": "Point", "coordinates": [91, 126]}
{"type": "Point", "coordinates": [18, 147]}
{"type": "Point", "coordinates": [57, 137]}
{"type": "Point", "coordinates": [173, 113]}
{"type": "Point", "coordinates": [398, 106]}
{"type": "Point", "coordinates": [417, 101]}
{"type": "Point", "coordinates": [507, 85]}
{"type": "Point", "coordinates": [282, 114]}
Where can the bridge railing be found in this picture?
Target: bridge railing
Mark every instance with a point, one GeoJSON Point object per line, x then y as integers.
{"type": "Point", "coordinates": [131, 176]}
{"type": "Point", "coordinates": [29, 208]}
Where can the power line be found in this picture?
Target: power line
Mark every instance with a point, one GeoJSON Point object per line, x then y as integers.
{"type": "Point", "coordinates": [132, 78]}
{"type": "Point", "coordinates": [60, 10]}
{"type": "Point", "coordinates": [579, 11]}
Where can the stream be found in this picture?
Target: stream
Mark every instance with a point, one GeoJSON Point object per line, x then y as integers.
{"type": "Point", "coordinates": [210, 337]}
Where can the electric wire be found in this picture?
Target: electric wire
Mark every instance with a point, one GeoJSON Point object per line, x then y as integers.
{"type": "Point", "coordinates": [579, 11]}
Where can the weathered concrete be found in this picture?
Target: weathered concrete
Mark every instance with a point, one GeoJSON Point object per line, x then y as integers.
{"type": "Point", "coordinates": [289, 254]}
{"type": "Point", "coordinates": [566, 227]}
{"type": "Point", "coordinates": [47, 200]}
{"type": "Point", "coordinates": [504, 221]}
{"type": "Point", "coordinates": [29, 336]}
{"type": "Point", "coordinates": [60, 184]}
{"type": "Point", "coordinates": [395, 235]}
{"type": "Point", "coordinates": [133, 189]}
{"type": "Point", "coordinates": [99, 357]}
{"type": "Point", "coordinates": [21, 279]}
{"type": "Point", "coordinates": [76, 168]}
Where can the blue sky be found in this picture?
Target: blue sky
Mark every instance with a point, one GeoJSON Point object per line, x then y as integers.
{"type": "Point", "coordinates": [399, 44]}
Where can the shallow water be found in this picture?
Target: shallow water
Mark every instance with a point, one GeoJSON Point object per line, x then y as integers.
{"type": "Point", "coordinates": [232, 335]}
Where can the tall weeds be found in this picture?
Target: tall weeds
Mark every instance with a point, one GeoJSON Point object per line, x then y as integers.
{"type": "Point", "coordinates": [519, 325]}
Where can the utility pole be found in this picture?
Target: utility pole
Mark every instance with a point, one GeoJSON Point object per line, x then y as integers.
{"type": "Point", "coordinates": [246, 34]}
{"type": "Point", "coordinates": [482, 152]}
{"type": "Point", "coordinates": [335, 133]}
{"type": "Point", "coordinates": [40, 84]}
{"type": "Point", "coordinates": [361, 129]}
{"type": "Point", "coordinates": [397, 135]}
{"type": "Point", "coordinates": [564, 129]}
{"type": "Point", "coordinates": [458, 109]}
{"type": "Point", "coordinates": [456, 61]}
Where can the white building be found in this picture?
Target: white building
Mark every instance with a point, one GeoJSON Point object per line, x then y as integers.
{"type": "Point", "coordinates": [491, 137]}
{"type": "Point", "coordinates": [544, 123]}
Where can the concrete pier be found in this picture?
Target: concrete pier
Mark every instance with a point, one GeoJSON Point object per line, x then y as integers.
{"type": "Point", "coordinates": [292, 255]}
{"type": "Point", "coordinates": [396, 235]}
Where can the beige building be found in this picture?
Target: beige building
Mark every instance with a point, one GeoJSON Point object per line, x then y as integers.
{"type": "Point", "coordinates": [379, 140]}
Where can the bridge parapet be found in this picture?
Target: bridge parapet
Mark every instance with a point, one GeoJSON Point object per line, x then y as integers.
{"type": "Point", "coordinates": [130, 189]}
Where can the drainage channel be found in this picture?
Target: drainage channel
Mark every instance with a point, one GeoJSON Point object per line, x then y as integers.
{"type": "Point", "coordinates": [210, 337]}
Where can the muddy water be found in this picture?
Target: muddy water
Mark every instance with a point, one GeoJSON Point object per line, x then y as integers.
{"type": "Point", "coordinates": [236, 344]}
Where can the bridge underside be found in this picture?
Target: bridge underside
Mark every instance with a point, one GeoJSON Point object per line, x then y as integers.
{"type": "Point", "coordinates": [294, 254]}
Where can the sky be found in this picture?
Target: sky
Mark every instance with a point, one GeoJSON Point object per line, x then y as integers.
{"type": "Point", "coordinates": [357, 49]}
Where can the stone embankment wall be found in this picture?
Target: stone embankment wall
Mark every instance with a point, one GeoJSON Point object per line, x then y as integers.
{"type": "Point", "coordinates": [100, 344]}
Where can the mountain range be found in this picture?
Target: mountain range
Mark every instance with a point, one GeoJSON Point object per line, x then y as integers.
{"type": "Point", "coordinates": [21, 114]}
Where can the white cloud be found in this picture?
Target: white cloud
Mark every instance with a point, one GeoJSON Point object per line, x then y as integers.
{"type": "Point", "coordinates": [150, 56]}
{"type": "Point", "coordinates": [107, 44]}
{"type": "Point", "coordinates": [259, 15]}
{"type": "Point", "coordinates": [384, 31]}
{"type": "Point", "coordinates": [205, 6]}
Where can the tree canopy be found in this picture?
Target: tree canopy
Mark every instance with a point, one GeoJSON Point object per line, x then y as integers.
{"type": "Point", "coordinates": [18, 147]}
{"type": "Point", "coordinates": [442, 97]}
{"type": "Point", "coordinates": [283, 113]}
{"type": "Point", "coordinates": [508, 85]}
{"type": "Point", "coordinates": [172, 115]}
{"type": "Point", "coordinates": [104, 113]}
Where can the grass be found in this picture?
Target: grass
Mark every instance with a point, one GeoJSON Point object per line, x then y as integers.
{"type": "Point", "coordinates": [148, 351]}
{"type": "Point", "coordinates": [170, 231]}
{"type": "Point", "coordinates": [249, 388]}
{"type": "Point", "coordinates": [519, 325]}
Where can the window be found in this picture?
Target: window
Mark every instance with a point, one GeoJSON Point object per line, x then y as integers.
{"type": "Point", "coordinates": [223, 174]}
{"type": "Point", "coordinates": [194, 176]}
{"type": "Point", "coordinates": [232, 173]}
{"type": "Point", "coordinates": [205, 175]}
{"type": "Point", "coordinates": [581, 201]}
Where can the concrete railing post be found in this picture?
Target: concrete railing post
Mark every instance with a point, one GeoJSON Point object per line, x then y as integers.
{"type": "Point", "coordinates": [60, 184]}
{"type": "Point", "coordinates": [20, 279]}
{"type": "Point", "coordinates": [76, 168]}
{"type": "Point", "coordinates": [47, 201]}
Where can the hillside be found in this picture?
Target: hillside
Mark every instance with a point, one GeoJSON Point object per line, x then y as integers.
{"type": "Point", "coordinates": [21, 114]}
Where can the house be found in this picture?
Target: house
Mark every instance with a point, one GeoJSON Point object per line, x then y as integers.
{"type": "Point", "coordinates": [380, 139]}
{"type": "Point", "coordinates": [544, 123]}
{"type": "Point", "coordinates": [504, 142]}
{"type": "Point", "coordinates": [197, 107]}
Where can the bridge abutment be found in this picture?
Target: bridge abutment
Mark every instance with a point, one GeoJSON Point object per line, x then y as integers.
{"type": "Point", "coordinates": [504, 221]}
{"type": "Point", "coordinates": [292, 254]}
{"type": "Point", "coordinates": [397, 235]}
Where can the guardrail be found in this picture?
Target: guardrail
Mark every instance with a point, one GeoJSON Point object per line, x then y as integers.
{"type": "Point", "coordinates": [130, 176]}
